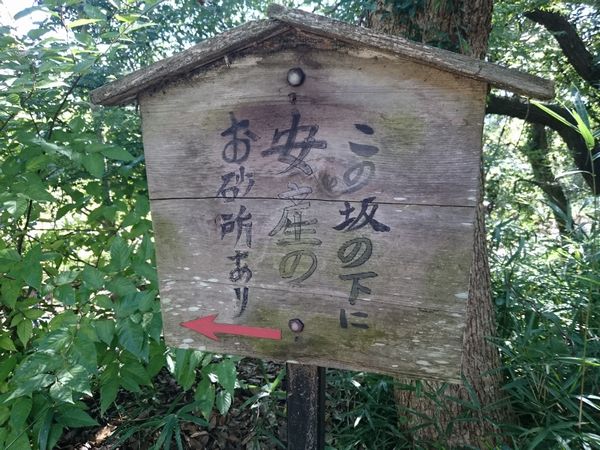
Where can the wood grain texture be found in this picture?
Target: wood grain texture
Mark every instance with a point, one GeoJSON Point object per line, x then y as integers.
{"type": "Point", "coordinates": [414, 342]}
{"type": "Point", "coordinates": [419, 130]}
{"type": "Point", "coordinates": [126, 89]}
{"type": "Point", "coordinates": [422, 262]}
{"type": "Point", "coordinates": [498, 76]}
{"type": "Point", "coordinates": [427, 126]}
{"type": "Point", "coordinates": [415, 308]}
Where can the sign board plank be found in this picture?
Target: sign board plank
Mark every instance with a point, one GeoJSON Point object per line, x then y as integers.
{"type": "Point", "coordinates": [426, 123]}
{"type": "Point", "coordinates": [422, 262]}
{"type": "Point", "coordinates": [345, 205]}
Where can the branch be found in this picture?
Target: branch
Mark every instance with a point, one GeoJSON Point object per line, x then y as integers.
{"type": "Point", "coordinates": [536, 152]}
{"type": "Point", "coordinates": [21, 239]}
{"type": "Point", "coordinates": [570, 43]}
{"type": "Point", "coordinates": [513, 107]}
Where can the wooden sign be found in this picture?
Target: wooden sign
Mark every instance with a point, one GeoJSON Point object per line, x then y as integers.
{"type": "Point", "coordinates": [329, 223]}
{"type": "Point", "coordinates": [313, 188]}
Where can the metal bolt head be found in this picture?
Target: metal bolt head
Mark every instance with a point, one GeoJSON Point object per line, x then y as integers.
{"type": "Point", "coordinates": [296, 325]}
{"type": "Point", "coordinates": [295, 76]}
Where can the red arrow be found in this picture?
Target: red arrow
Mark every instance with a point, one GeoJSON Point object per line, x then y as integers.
{"type": "Point", "coordinates": [208, 327]}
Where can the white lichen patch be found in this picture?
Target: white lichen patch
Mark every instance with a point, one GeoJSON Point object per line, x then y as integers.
{"type": "Point", "coordinates": [421, 362]}
{"type": "Point", "coordinates": [188, 341]}
{"type": "Point", "coordinates": [462, 295]}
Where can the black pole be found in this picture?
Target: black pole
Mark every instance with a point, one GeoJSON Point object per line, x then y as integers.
{"type": "Point", "coordinates": [305, 407]}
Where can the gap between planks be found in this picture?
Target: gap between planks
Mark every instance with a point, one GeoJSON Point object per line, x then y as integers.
{"type": "Point", "coordinates": [333, 200]}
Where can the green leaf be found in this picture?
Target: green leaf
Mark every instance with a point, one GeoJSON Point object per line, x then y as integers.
{"type": "Point", "coordinates": [226, 373]}
{"type": "Point", "coordinates": [66, 277]}
{"type": "Point", "coordinates": [8, 364]}
{"type": "Point", "coordinates": [553, 114]}
{"type": "Point", "coordinates": [92, 278]}
{"type": "Point", "coordinates": [35, 383]}
{"type": "Point", "coordinates": [32, 187]}
{"type": "Point", "coordinates": [74, 417]}
{"type": "Point", "coordinates": [81, 22]}
{"type": "Point", "coordinates": [33, 313]}
{"type": "Point", "coordinates": [44, 430]}
{"type": "Point", "coordinates": [65, 294]}
{"type": "Point", "coordinates": [6, 343]}
{"type": "Point", "coordinates": [121, 286]}
{"type": "Point", "coordinates": [132, 337]}
{"type": "Point", "coordinates": [108, 393]}
{"type": "Point", "coordinates": [25, 331]}
{"type": "Point", "coordinates": [588, 137]}
{"type": "Point", "coordinates": [31, 270]}
{"type": "Point", "coordinates": [84, 352]}
{"type": "Point", "coordinates": [25, 12]}
{"type": "Point", "coordinates": [136, 371]}
{"type": "Point", "coordinates": [61, 393]}
{"type": "Point", "coordinates": [18, 441]}
{"type": "Point", "coordinates": [19, 412]}
{"type": "Point", "coordinates": [223, 402]}
{"type": "Point", "coordinates": [11, 289]}
{"type": "Point", "coordinates": [94, 164]}
{"type": "Point", "coordinates": [103, 301]}
{"type": "Point", "coordinates": [205, 397]}
{"type": "Point", "coordinates": [117, 153]}
{"type": "Point", "coordinates": [105, 328]}
{"type": "Point", "coordinates": [120, 254]}
{"type": "Point", "coordinates": [4, 414]}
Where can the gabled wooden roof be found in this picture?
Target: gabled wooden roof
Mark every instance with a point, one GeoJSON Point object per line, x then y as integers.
{"type": "Point", "coordinates": [283, 19]}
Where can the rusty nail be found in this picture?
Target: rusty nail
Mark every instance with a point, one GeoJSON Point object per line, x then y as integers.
{"type": "Point", "coordinates": [296, 325]}
{"type": "Point", "coordinates": [295, 76]}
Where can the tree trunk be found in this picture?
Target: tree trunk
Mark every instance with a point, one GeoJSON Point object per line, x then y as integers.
{"type": "Point", "coordinates": [455, 415]}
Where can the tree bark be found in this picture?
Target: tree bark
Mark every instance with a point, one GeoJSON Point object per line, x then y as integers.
{"type": "Point", "coordinates": [452, 414]}
{"type": "Point", "coordinates": [572, 46]}
{"type": "Point", "coordinates": [536, 152]}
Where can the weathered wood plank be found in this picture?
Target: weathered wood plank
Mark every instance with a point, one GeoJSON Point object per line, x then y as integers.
{"type": "Point", "coordinates": [509, 79]}
{"type": "Point", "coordinates": [419, 116]}
{"type": "Point", "coordinates": [414, 342]}
{"type": "Point", "coordinates": [421, 262]}
{"type": "Point", "coordinates": [356, 221]}
{"type": "Point", "coordinates": [414, 331]}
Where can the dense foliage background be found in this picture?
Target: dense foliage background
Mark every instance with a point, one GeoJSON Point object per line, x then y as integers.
{"type": "Point", "coordinates": [80, 326]}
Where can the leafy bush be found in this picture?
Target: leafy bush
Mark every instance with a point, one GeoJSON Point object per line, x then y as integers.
{"type": "Point", "coordinates": [80, 316]}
